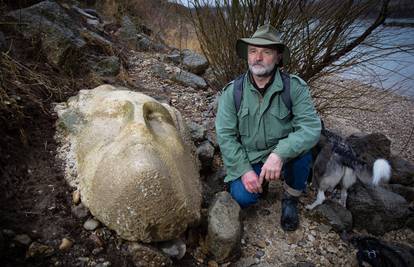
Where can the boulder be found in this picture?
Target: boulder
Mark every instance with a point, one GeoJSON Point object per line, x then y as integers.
{"type": "Point", "coordinates": [59, 34]}
{"type": "Point", "coordinates": [402, 171]}
{"type": "Point", "coordinates": [197, 131]}
{"type": "Point", "coordinates": [370, 147]}
{"type": "Point", "coordinates": [406, 192]}
{"type": "Point", "coordinates": [128, 33]}
{"type": "Point", "coordinates": [107, 66]}
{"type": "Point", "coordinates": [335, 215]}
{"type": "Point", "coordinates": [189, 79]}
{"type": "Point", "coordinates": [205, 153]}
{"type": "Point", "coordinates": [133, 162]}
{"type": "Point", "coordinates": [194, 62]}
{"type": "Point", "coordinates": [224, 228]}
{"type": "Point", "coordinates": [376, 209]}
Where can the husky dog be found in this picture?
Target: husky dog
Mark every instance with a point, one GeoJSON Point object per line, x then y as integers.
{"type": "Point", "coordinates": [337, 163]}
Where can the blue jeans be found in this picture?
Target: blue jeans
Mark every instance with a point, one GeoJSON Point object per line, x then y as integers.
{"type": "Point", "coordinates": [295, 172]}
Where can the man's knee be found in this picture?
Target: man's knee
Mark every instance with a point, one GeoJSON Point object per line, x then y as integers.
{"type": "Point", "coordinates": [241, 195]}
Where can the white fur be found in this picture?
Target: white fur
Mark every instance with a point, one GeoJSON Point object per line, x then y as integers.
{"type": "Point", "coordinates": [381, 172]}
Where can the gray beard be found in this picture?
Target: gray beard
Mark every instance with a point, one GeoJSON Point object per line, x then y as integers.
{"type": "Point", "coordinates": [264, 72]}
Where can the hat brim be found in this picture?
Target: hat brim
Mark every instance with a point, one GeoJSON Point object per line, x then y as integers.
{"type": "Point", "coordinates": [241, 47]}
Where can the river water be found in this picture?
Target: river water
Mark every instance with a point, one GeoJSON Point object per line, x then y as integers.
{"type": "Point", "coordinates": [389, 71]}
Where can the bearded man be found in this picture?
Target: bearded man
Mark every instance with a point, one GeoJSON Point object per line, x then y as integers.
{"type": "Point", "coordinates": [266, 125]}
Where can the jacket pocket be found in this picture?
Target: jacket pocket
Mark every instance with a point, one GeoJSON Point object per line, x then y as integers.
{"type": "Point", "coordinates": [244, 122]}
{"type": "Point", "coordinates": [278, 124]}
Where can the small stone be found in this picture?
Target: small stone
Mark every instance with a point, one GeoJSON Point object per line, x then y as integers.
{"type": "Point", "coordinates": [23, 239]}
{"type": "Point", "coordinates": [103, 264]}
{"type": "Point", "coordinates": [65, 244]}
{"type": "Point", "coordinates": [80, 211]}
{"type": "Point", "coordinates": [83, 259]}
{"type": "Point", "coordinates": [212, 264]}
{"type": "Point", "coordinates": [261, 244]}
{"type": "Point", "coordinates": [76, 197]}
{"type": "Point", "coordinates": [96, 251]}
{"type": "Point", "coordinates": [97, 240]}
{"type": "Point", "coordinates": [37, 249]}
{"type": "Point", "coordinates": [91, 224]}
{"type": "Point", "coordinates": [259, 254]}
{"type": "Point", "coordinates": [324, 228]}
{"type": "Point", "coordinates": [311, 238]}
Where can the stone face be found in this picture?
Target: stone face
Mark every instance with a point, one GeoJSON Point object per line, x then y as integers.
{"type": "Point", "coordinates": [133, 162]}
{"type": "Point", "coordinates": [194, 62]}
{"type": "Point", "coordinates": [376, 209]}
{"type": "Point", "coordinates": [224, 228]}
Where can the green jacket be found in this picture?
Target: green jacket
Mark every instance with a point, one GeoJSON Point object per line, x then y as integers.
{"type": "Point", "coordinates": [263, 125]}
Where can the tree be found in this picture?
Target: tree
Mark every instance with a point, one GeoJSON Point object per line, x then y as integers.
{"type": "Point", "coordinates": [325, 37]}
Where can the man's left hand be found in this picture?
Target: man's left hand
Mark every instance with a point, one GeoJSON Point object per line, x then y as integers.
{"type": "Point", "coordinates": [271, 168]}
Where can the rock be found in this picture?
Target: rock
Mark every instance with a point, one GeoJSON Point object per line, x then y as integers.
{"type": "Point", "coordinates": [406, 192]}
{"type": "Point", "coordinates": [128, 33]}
{"type": "Point", "coordinates": [65, 244]}
{"type": "Point", "coordinates": [96, 240]}
{"type": "Point", "coordinates": [133, 162]}
{"type": "Point", "coordinates": [189, 79]}
{"type": "Point", "coordinates": [76, 197]}
{"type": "Point", "coordinates": [376, 209]}
{"type": "Point", "coordinates": [246, 262]}
{"type": "Point", "coordinates": [174, 248]}
{"type": "Point", "coordinates": [174, 57]}
{"type": "Point", "coordinates": [159, 70]}
{"type": "Point", "coordinates": [224, 228]}
{"type": "Point", "coordinates": [402, 171]}
{"type": "Point", "coordinates": [194, 62]}
{"type": "Point", "coordinates": [103, 264]}
{"type": "Point", "coordinates": [39, 250]}
{"type": "Point", "coordinates": [23, 239]}
{"type": "Point", "coordinates": [197, 131]}
{"type": "Point", "coordinates": [212, 264]}
{"type": "Point", "coordinates": [213, 184]}
{"type": "Point", "coordinates": [59, 33]}
{"type": "Point", "coordinates": [107, 66]}
{"type": "Point", "coordinates": [205, 153]}
{"type": "Point", "coordinates": [335, 215]}
{"type": "Point", "coordinates": [145, 255]}
{"type": "Point", "coordinates": [145, 43]}
{"type": "Point", "coordinates": [370, 147]}
{"type": "Point", "coordinates": [91, 224]}
{"type": "Point", "coordinates": [259, 254]}
{"type": "Point", "coordinates": [80, 211]}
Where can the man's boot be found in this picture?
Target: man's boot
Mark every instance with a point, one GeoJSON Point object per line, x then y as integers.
{"type": "Point", "coordinates": [290, 217]}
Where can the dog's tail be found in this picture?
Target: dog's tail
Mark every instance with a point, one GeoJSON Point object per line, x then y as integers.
{"type": "Point", "coordinates": [381, 172]}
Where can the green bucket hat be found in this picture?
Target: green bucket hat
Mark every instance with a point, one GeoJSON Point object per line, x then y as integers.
{"type": "Point", "coordinates": [265, 35]}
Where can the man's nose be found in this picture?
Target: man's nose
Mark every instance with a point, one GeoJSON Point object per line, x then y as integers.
{"type": "Point", "coordinates": [259, 56]}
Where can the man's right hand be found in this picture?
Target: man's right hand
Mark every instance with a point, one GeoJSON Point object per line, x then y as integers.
{"type": "Point", "coordinates": [252, 182]}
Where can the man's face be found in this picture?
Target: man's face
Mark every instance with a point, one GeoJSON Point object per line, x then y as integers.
{"type": "Point", "coordinates": [261, 60]}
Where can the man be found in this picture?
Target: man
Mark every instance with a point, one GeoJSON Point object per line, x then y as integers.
{"type": "Point", "coordinates": [262, 137]}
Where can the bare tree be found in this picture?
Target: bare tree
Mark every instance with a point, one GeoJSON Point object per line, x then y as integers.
{"type": "Point", "coordinates": [325, 37]}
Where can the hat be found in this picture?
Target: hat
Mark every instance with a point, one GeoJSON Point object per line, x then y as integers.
{"type": "Point", "coordinates": [264, 35]}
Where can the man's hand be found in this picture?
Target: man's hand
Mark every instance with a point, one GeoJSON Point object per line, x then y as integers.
{"type": "Point", "coordinates": [271, 168]}
{"type": "Point", "coordinates": [252, 182]}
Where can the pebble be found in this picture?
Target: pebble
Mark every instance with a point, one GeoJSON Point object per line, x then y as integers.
{"type": "Point", "coordinates": [65, 244]}
{"type": "Point", "coordinates": [38, 249]}
{"type": "Point", "coordinates": [83, 259]}
{"type": "Point", "coordinates": [23, 239]}
{"type": "Point", "coordinates": [259, 254]}
{"type": "Point", "coordinates": [260, 244]}
{"type": "Point", "coordinates": [103, 264]}
{"type": "Point", "coordinates": [96, 251]}
{"type": "Point", "coordinates": [97, 240]}
{"type": "Point", "coordinates": [212, 264]}
{"type": "Point", "coordinates": [76, 197]}
{"type": "Point", "coordinates": [80, 211]}
{"type": "Point", "coordinates": [91, 224]}
{"type": "Point", "coordinates": [311, 238]}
